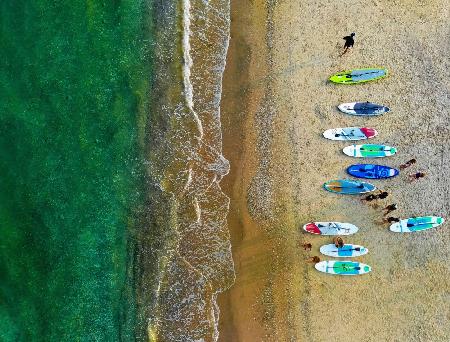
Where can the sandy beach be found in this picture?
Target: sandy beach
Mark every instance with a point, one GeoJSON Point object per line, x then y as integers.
{"type": "Point", "coordinates": [276, 103]}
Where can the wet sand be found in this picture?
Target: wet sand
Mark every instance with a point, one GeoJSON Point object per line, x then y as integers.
{"type": "Point", "coordinates": [276, 103]}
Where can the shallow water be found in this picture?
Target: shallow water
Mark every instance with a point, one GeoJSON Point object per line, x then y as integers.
{"type": "Point", "coordinates": [110, 145]}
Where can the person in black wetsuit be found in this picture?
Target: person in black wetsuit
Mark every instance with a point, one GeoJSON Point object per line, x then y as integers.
{"type": "Point", "coordinates": [349, 41]}
{"type": "Point", "coordinates": [390, 208]}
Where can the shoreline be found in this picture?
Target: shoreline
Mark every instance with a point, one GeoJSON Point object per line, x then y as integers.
{"type": "Point", "coordinates": [276, 295]}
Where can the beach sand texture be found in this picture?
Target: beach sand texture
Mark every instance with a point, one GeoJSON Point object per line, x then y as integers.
{"type": "Point", "coordinates": [276, 104]}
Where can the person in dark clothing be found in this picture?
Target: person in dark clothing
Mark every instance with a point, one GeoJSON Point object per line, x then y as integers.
{"type": "Point", "coordinates": [407, 164]}
{"type": "Point", "coordinates": [416, 175]}
{"type": "Point", "coordinates": [369, 198]}
{"type": "Point", "coordinates": [383, 195]}
{"type": "Point", "coordinates": [390, 208]}
{"type": "Point", "coordinates": [313, 260]}
{"type": "Point", "coordinates": [306, 246]}
{"type": "Point", "coordinates": [338, 242]}
{"type": "Point", "coordinates": [391, 219]}
{"type": "Point", "coordinates": [349, 41]}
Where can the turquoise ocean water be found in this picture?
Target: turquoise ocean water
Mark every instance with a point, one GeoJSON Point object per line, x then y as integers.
{"type": "Point", "coordinates": [75, 78]}
{"type": "Point", "coordinates": [112, 221]}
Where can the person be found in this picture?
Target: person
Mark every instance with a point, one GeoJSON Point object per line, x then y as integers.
{"type": "Point", "coordinates": [306, 246]}
{"type": "Point", "coordinates": [408, 164]}
{"type": "Point", "coordinates": [369, 198]}
{"type": "Point", "coordinates": [415, 176]}
{"type": "Point", "coordinates": [391, 219]}
{"type": "Point", "coordinates": [338, 242]}
{"type": "Point", "coordinates": [390, 208]}
{"type": "Point", "coordinates": [313, 260]}
{"type": "Point", "coordinates": [383, 195]}
{"type": "Point", "coordinates": [349, 41]}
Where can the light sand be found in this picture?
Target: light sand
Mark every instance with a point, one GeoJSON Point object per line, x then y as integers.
{"type": "Point", "coordinates": [276, 104]}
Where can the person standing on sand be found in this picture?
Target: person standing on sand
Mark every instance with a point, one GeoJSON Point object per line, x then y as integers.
{"type": "Point", "coordinates": [349, 41]}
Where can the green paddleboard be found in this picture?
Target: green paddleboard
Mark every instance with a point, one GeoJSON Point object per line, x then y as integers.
{"type": "Point", "coordinates": [358, 75]}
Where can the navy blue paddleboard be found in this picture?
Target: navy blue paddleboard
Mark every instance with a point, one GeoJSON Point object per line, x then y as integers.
{"type": "Point", "coordinates": [372, 171]}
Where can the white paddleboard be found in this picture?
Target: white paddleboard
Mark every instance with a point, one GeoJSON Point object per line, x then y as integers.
{"type": "Point", "coordinates": [363, 108]}
{"type": "Point", "coordinates": [350, 133]}
{"type": "Point", "coordinates": [369, 151]}
{"type": "Point", "coordinates": [345, 267]}
{"type": "Point", "coordinates": [416, 224]}
{"type": "Point", "coordinates": [330, 228]}
{"type": "Point", "coordinates": [346, 251]}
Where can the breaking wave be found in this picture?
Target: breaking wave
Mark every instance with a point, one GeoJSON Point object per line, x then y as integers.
{"type": "Point", "coordinates": [188, 165]}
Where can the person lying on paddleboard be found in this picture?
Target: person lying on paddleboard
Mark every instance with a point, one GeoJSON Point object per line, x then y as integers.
{"type": "Point", "coordinates": [349, 41]}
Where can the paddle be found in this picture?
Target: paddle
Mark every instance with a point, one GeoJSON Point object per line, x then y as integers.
{"type": "Point", "coordinates": [418, 224]}
{"type": "Point", "coordinates": [335, 226]}
{"type": "Point", "coordinates": [360, 186]}
{"type": "Point", "coordinates": [348, 136]}
{"type": "Point", "coordinates": [345, 268]}
{"type": "Point", "coordinates": [374, 150]}
{"type": "Point", "coordinates": [364, 73]}
{"type": "Point", "coordinates": [358, 249]}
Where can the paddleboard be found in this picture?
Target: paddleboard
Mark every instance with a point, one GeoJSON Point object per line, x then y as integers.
{"type": "Point", "coordinates": [358, 75]}
{"type": "Point", "coordinates": [369, 151]}
{"type": "Point", "coordinates": [350, 133]}
{"type": "Point", "coordinates": [348, 250]}
{"type": "Point", "coordinates": [372, 171]}
{"type": "Point", "coordinates": [363, 108]}
{"type": "Point", "coordinates": [330, 228]}
{"type": "Point", "coordinates": [415, 224]}
{"type": "Point", "coordinates": [342, 267]}
{"type": "Point", "coordinates": [348, 186]}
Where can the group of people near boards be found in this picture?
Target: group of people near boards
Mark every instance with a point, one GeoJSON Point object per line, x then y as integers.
{"type": "Point", "coordinates": [338, 241]}
{"type": "Point", "coordinates": [339, 186]}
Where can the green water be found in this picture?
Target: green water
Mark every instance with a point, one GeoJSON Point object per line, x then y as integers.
{"type": "Point", "coordinates": [74, 83]}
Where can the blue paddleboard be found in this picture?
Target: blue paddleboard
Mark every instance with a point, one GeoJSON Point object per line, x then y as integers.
{"type": "Point", "coordinates": [348, 187]}
{"type": "Point", "coordinates": [372, 171]}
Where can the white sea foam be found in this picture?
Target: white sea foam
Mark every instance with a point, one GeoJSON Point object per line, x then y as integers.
{"type": "Point", "coordinates": [202, 266]}
{"type": "Point", "coordinates": [187, 65]}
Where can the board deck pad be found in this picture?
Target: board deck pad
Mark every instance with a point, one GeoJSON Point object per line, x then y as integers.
{"type": "Point", "coordinates": [348, 250]}
{"type": "Point", "coordinates": [350, 133]}
{"type": "Point", "coordinates": [358, 75]}
{"type": "Point", "coordinates": [348, 187]}
{"type": "Point", "coordinates": [372, 171]}
{"type": "Point", "coordinates": [416, 224]}
{"type": "Point", "coordinates": [346, 267]}
{"type": "Point", "coordinates": [369, 151]}
{"type": "Point", "coordinates": [363, 108]}
{"type": "Point", "coordinates": [330, 228]}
